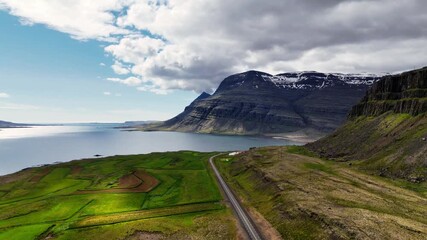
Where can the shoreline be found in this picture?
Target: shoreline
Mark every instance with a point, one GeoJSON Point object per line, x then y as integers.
{"type": "Point", "coordinates": [303, 136]}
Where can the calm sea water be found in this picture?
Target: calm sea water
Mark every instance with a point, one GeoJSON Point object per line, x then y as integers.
{"type": "Point", "coordinates": [25, 147]}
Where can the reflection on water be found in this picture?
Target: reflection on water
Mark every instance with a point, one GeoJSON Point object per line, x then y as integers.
{"type": "Point", "coordinates": [39, 131]}
{"type": "Point", "coordinates": [25, 147]}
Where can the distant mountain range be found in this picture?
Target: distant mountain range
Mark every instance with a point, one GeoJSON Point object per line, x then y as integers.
{"type": "Point", "coordinates": [258, 103]}
{"type": "Point", "coordinates": [4, 124]}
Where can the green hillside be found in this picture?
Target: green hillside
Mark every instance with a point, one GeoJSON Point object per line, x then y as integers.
{"type": "Point", "coordinates": [386, 132]}
{"type": "Point", "coordinates": [388, 145]}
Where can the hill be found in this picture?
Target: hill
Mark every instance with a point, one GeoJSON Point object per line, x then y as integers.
{"type": "Point", "coordinates": [386, 132]}
{"type": "Point", "coordinates": [305, 197]}
{"type": "Point", "coordinates": [4, 124]}
{"type": "Point", "coordinates": [257, 103]}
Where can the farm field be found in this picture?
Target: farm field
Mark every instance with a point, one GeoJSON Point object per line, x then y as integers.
{"type": "Point", "coordinates": [153, 196]}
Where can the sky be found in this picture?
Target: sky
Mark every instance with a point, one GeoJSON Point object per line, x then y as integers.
{"type": "Point", "coordinates": [119, 60]}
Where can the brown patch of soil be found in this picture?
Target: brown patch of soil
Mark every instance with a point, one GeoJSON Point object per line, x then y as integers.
{"type": "Point", "coordinates": [148, 182]}
{"type": "Point", "coordinates": [15, 176]}
{"type": "Point", "coordinates": [39, 175]}
{"type": "Point", "coordinates": [265, 227]}
{"type": "Point", "coordinates": [140, 235]}
{"type": "Point", "coordinates": [138, 181]}
{"type": "Point", "coordinates": [129, 181]}
{"type": "Point", "coordinates": [76, 170]}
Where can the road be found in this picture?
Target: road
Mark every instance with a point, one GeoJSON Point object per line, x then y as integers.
{"type": "Point", "coordinates": [244, 218]}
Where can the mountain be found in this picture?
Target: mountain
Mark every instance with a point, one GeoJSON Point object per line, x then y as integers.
{"type": "Point", "coordinates": [386, 132]}
{"type": "Point", "coordinates": [257, 103]}
{"type": "Point", "coordinates": [4, 124]}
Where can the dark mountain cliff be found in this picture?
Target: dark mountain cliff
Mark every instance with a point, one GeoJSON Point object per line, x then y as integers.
{"type": "Point", "coordinates": [386, 132]}
{"type": "Point", "coordinates": [257, 103]}
{"type": "Point", "coordinates": [403, 93]}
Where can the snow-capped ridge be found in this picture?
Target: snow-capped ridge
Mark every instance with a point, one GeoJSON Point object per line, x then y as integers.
{"type": "Point", "coordinates": [297, 80]}
{"type": "Point", "coordinates": [313, 79]}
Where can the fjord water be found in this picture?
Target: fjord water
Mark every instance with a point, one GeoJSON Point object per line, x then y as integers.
{"type": "Point", "coordinates": [26, 147]}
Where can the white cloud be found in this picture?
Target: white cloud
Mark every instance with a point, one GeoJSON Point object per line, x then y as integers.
{"type": "Point", "coordinates": [4, 95]}
{"type": "Point", "coordinates": [153, 89]}
{"type": "Point", "coordinates": [107, 93]}
{"type": "Point", "coordinates": [119, 68]}
{"type": "Point", "coordinates": [193, 44]}
{"type": "Point", "coordinates": [135, 48]}
{"type": "Point", "coordinates": [102, 64]}
{"type": "Point", "coordinates": [81, 19]}
{"type": "Point", "coordinates": [130, 81]}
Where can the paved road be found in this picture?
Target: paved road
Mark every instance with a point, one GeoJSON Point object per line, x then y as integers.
{"type": "Point", "coordinates": [248, 225]}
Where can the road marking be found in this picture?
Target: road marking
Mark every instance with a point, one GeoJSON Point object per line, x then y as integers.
{"type": "Point", "coordinates": [244, 218]}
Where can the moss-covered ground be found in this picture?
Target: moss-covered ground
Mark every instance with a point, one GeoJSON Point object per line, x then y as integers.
{"type": "Point", "coordinates": [103, 199]}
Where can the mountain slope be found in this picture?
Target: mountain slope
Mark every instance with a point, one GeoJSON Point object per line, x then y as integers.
{"type": "Point", "coordinates": [386, 132]}
{"type": "Point", "coordinates": [4, 124]}
{"type": "Point", "coordinates": [257, 103]}
{"type": "Point", "coordinates": [305, 197]}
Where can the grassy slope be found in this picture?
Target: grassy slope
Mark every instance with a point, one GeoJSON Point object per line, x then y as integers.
{"type": "Point", "coordinates": [389, 145]}
{"type": "Point", "coordinates": [43, 202]}
{"type": "Point", "coordinates": [305, 197]}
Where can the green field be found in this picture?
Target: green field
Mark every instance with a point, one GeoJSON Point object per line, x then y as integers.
{"type": "Point", "coordinates": [153, 196]}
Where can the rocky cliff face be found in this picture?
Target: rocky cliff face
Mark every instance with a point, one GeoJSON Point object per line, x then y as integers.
{"type": "Point", "coordinates": [386, 132]}
{"type": "Point", "coordinates": [404, 93]}
{"type": "Point", "coordinates": [259, 103]}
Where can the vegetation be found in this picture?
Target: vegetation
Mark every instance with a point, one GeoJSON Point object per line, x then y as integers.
{"type": "Point", "coordinates": [156, 196]}
{"type": "Point", "coordinates": [306, 197]}
{"type": "Point", "coordinates": [390, 145]}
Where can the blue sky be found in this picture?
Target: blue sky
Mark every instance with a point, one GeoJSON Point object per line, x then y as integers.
{"type": "Point", "coordinates": [51, 77]}
{"type": "Point", "coordinates": [51, 51]}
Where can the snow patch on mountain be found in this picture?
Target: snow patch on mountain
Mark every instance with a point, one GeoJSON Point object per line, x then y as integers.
{"type": "Point", "coordinates": [312, 79]}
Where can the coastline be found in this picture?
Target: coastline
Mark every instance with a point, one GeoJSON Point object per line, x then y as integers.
{"type": "Point", "coordinates": [302, 136]}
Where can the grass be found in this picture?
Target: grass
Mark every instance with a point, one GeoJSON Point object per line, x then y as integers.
{"type": "Point", "coordinates": [388, 145]}
{"type": "Point", "coordinates": [114, 202]}
{"type": "Point", "coordinates": [54, 201]}
{"type": "Point", "coordinates": [207, 225]}
{"type": "Point", "coordinates": [319, 167]}
{"type": "Point", "coordinates": [306, 197]}
{"type": "Point", "coordinates": [301, 150]}
{"type": "Point", "coordinates": [24, 232]}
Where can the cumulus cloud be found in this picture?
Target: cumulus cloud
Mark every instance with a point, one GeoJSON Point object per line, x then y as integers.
{"type": "Point", "coordinates": [4, 95]}
{"type": "Point", "coordinates": [119, 68]}
{"type": "Point", "coordinates": [81, 19]}
{"type": "Point", "coordinates": [193, 45]}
